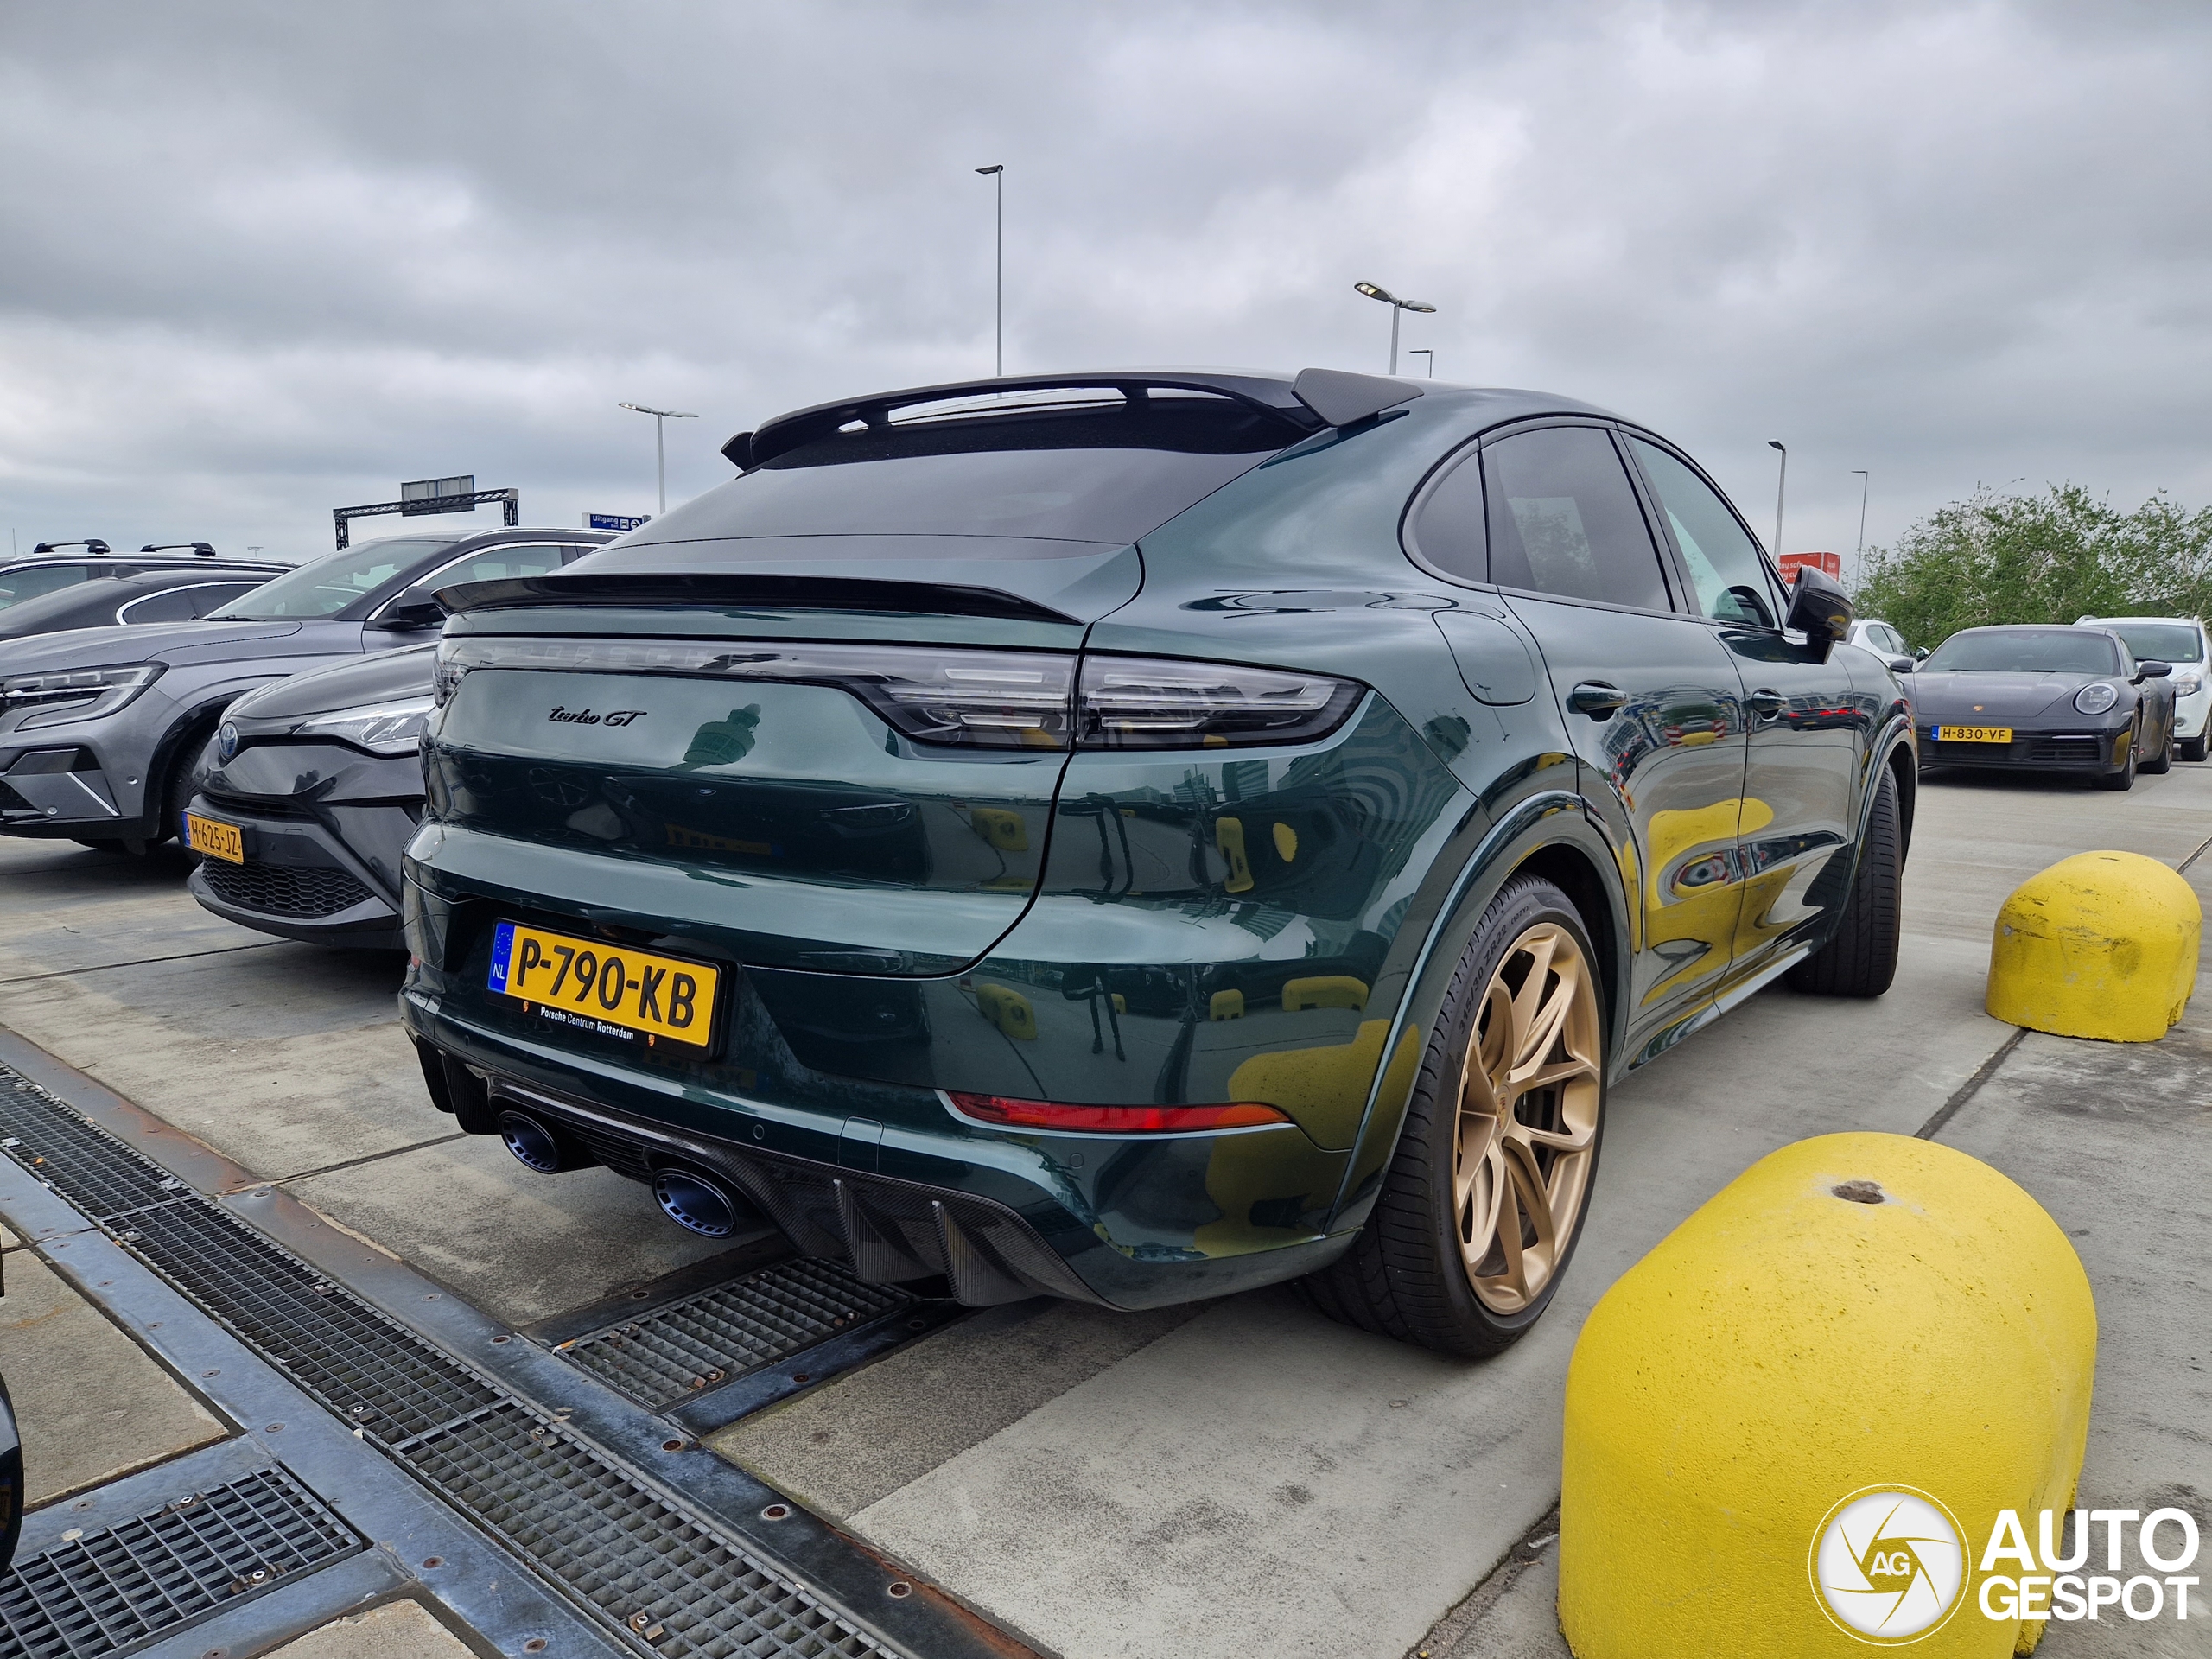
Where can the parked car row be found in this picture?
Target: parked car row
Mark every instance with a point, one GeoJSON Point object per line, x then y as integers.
{"type": "Point", "coordinates": [1128, 837]}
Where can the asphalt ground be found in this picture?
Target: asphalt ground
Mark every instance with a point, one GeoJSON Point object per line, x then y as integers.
{"type": "Point", "coordinates": [1236, 1476]}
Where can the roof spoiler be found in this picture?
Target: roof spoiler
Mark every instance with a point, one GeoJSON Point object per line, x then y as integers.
{"type": "Point", "coordinates": [1314, 400]}
{"type": "Point", "coordinates": [1343, 399]}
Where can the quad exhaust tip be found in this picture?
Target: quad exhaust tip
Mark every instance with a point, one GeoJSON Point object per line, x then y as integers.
{"type": "Point", "coordinates": [540, 1146]}
{"type": "Point", "coordinates": [697, 1202]}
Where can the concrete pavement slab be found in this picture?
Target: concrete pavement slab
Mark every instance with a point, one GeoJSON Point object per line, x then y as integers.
{"type": "Point", "coordinates": [287, 1059]}
{"type": "Point", "coordinates": [839, 1448]}
{"type": "Point", "coordinates": [91, 1404]}
{"type": "Point", "coordinates": [399, 1630]}
{"type": "Point", "coordinates": [71, 908]}
{"type": "Point", "coordinates": [520, 1245]}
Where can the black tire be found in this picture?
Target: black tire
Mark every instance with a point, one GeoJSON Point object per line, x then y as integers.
{"type": "Point", "coordinates": [2166, 752]}
{"type": "Point", "coordinates": [2193, 748]}
{"type": "Point", "coordinates": [1405, 1276]}
{"type": "Point", "coordinates": [1861, 958]}
{"type": "Point", "coordinates": [2120, 781]}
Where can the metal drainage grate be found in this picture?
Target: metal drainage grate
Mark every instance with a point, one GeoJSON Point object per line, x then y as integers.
{"type": "Point", "coordinates": [724, 1332]}
{"type": "Point", "coordinates": [145, 1576]}
{"type": "Point", "coordinates": [587, 1525]}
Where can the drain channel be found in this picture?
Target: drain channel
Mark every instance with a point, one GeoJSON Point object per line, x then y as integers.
{"type": "Point", "coordinates": [723, 1333]}
{"type": "Point", "coordinates": [662, 1576]}
{"type": "Point", "coordinates": [155, 1573]}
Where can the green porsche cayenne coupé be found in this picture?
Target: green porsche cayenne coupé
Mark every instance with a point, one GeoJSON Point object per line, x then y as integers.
{"type": "Point", "coordinates": [1133, 836]}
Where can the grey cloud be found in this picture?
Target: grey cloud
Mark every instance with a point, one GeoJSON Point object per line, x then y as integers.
{"type": "Point", "coordinates": [263, 260]}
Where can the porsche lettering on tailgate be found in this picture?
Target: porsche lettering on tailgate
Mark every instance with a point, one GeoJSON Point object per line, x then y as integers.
{"type": "Point", "coordinates": [612, 989]}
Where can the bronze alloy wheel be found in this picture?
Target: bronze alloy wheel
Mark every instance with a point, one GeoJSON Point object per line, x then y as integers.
{"type": "Point", "coordinates": [1497, 1158]}
{"type": "Point", "coordinates": [1529, 1096]}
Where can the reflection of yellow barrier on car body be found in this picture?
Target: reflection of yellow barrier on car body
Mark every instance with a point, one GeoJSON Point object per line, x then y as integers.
{"type": "Point", "coordinates": [1853, 1311]}
{"type": "Point", "coordinates": [1005, 830]}
{"type": "Point", "coordinates": [1225, 1005]}
{"type": "Point", "coordinates": [1228, 841]}
{"type": "Point", "coordinates": [1324, 991]}
{"type": "Point", "coordinates": [1008, 1010]}
{"type": "Point", "coordinates": [2099, 945]}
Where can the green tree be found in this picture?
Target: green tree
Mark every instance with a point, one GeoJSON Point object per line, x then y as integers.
{"type": "Point", "coordinates": [2038, 558]}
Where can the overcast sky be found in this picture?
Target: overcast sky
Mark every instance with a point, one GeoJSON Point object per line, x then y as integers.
{"type": "Point", "coordinates": [260, 260]}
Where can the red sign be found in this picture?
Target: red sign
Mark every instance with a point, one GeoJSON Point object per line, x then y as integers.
{"type": "Point", "coordinates": [1829, 564]}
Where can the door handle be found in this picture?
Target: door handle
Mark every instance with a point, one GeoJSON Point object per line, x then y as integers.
{"type": "Point", "coordinates": [1768, 705]}
{"type": "Point", "coordinates": [1597, 699]}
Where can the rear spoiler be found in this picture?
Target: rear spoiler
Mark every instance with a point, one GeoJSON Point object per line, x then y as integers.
{"type": "Point", "coordinates": [1315, 400]}
{"type": "Point", "coordinates": [716, 588]}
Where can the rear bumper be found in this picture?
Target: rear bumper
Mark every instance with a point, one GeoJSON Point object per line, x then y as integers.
{"type": "Point", "coordinates": [863, 1176]}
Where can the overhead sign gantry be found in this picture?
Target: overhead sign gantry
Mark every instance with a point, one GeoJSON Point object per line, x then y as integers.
{"type": "Point", "coordinates": [428, 495]}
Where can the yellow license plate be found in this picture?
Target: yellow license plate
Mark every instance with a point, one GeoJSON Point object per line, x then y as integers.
{"type": "Point", "coordinates": [1974, 733]}
{"type": "Point", "coordinates": [610, 989]}
{"type": "Point", "coordinates": [223, 841]}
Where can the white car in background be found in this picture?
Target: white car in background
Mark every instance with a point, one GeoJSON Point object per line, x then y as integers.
{"type": "Point", "coordinates": [1883, 640]}
{"type": "Point", "coordinates": [2180, 640]}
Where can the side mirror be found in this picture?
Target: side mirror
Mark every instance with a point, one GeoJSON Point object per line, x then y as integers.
{"type": "Point", "coordinates": [1901, 664]}
{"type": "Point", "coordinates": [410, 614]}
{"type": "Point", "coordinates": [1820, 609]}
{"type": "Point", "coordinates": [2151, 671]}
{"type": "Point", "coordinates": [1920, 656]}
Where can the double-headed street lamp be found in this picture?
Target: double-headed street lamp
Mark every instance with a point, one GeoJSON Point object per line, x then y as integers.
{"type": "Point", "coordinates": [661, 418]}
{"type": "Point", "coordinates": [1375, 292]}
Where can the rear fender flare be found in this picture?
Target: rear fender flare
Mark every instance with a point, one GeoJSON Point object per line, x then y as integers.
{"type": "Point", "coordinates": [1555, 819]}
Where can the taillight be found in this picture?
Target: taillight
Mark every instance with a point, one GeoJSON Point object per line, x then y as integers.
{"type": "Point", "coordinates": [1163, 702]}
{"type": "Point", "coordinates": [1011, 1113]}
{"type": "Point", "coordinates": [975, 699]}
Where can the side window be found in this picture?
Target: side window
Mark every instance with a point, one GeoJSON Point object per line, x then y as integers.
{"type": "Point", "coordinates": [526, 559]}
{"type": "Point", "coordinates": [489, 564]}
{"type": "Point", "coordinates": [18, 585]}
{"type": "Point", "coordinates": [1448, 528]}
{"type": "Point", "coordinates": [1726, 570]}
{"type": "Point", "coordinates": [1564, 519]}
{"type": "Point", "coordinates": [207, 598]}
{"type": "Point", "coordinates": [173, 605]}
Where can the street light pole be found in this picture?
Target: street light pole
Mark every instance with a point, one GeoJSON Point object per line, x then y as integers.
{"type": "Point", "coordinates": [1427, 352]}
{"type": "Point", "coordinates": [1781, 485]}
{"type": "Point", "coordinates": [1864, 481]}
{"type": "Point", "coordinates": [1396, 305]}
{"type": "Point", "coordinates": [661, 418]}
{"type": "Point", "coordinates": [996, 172]}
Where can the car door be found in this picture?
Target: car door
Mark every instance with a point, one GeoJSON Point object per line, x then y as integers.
{"type": "Point", "coordinates": [1806, 736]}
{"type": "Point", "coordinates": [1650, 695]}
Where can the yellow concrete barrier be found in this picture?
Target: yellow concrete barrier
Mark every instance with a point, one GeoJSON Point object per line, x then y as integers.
{"type": "Point", "coordinates": [1009, 1010]}
{"type": "Point", "coordinates": [2099, 945]}
{"type": "Point", "coordinates": [1854, 1319]}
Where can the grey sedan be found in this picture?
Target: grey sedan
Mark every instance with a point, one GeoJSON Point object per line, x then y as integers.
{"type": "Point", "coordinates": [100, 728]}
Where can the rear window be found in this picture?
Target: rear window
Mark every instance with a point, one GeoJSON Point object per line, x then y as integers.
{"type": "Point", "coordinates": [2160, 642]}
{"type": "Point", "coordinates": [2061, 650]}
{"type": "Point", "coordinates": [1087, 469]}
